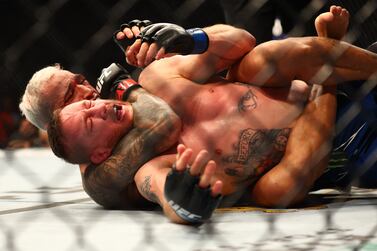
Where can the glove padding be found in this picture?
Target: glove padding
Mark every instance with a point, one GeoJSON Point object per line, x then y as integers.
{"type": "Point", "coordinates": [187, 199]}
{"type": "Point", "coordinates": [176, 39]}
{"type": "Point", "coordinates": [114, 82]}
{"type": "Point", "coordinates": [124, 43]}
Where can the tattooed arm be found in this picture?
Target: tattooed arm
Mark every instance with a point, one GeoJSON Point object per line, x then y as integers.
{"type": "Point", "coordinates": [156, 129]}
{"type": "Point", "coordinates": [305, 158]}
{"type": "Point", "coordinates": [187, 193]}
{"type": "Point", "coordinates": [150, 178]}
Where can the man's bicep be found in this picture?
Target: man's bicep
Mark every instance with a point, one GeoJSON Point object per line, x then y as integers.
{"type": "Point", "coordinates": [98, 185]}
{"type": "Point", "coordinates": [110, 183]}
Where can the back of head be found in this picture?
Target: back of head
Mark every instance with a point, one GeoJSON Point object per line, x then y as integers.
{"type": "Point", "coordinates": [36, 104]}
{"type": "Point", "coordinates": [71, 152]}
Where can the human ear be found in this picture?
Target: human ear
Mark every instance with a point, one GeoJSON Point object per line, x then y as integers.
{"type": "Point", "coordinates": [99, 155]}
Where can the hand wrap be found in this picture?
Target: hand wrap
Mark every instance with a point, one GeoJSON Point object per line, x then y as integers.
{"type": "Point", "coordinates": [124, 43]}
{"type": "Point", "coordinates": [187, 199]}
{"type": "Point", "coordinates": [176, 39]}
{"type": "Point", "coordinates": [115, 82]}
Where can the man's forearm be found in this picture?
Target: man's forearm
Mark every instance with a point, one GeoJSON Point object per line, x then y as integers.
{"type": "Point", "coordinates": [156, 130]}
{"type": "Point", "coordinates": [305, 158]}
{"type": "Point", "coordinates": [227, 45]}
{"type": "Point", "coordinates": [150, 181]}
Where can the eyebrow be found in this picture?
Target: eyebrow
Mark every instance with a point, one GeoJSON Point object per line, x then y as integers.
{"type": "Point", "coordinates": [79, 78]}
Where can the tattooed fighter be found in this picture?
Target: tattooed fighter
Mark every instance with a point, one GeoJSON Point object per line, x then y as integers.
{"type": "Point", "coordinates": [244, 128]}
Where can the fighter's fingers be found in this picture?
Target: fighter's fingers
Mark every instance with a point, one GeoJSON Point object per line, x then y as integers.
{"type": "Point", "coordinates": [160, 54]}
{"type": "Point", "coordinates": [132, 52]}
{"type": "Point", "coordinates": [183, 160]}
{"type": "Point", "coordinates": [135, 47]}
{"type": "Point", "coordinates": [207, 175]}
{"type": "Point", "coordinates": [120, 35]}
{"type": "Point", "coordinates": [217, 188]}
{"type": "Point", "coordinates": [127, 32]}
{"type": "Point", "coordinates": [142, 54]}
{"type": "Point", "coordinates": [199, 163]}
{"type": "Point", "coordinates": [180, 149]}
{"type": "Point", "coordinates": [151, 54]}
{"type": "Point", "coordinates": [135, 30]}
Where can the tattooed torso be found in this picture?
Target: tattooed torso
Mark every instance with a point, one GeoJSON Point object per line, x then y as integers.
{"type": "Point", "coordinates": [244, 129]}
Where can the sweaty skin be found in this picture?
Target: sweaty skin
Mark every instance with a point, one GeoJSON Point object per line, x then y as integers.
{"type": "Point", "coordinates": [245, 99]}
{"type": "Point", "coordinates": [244, 128]}
{"type": "Point", "coordinates": [237, 147]}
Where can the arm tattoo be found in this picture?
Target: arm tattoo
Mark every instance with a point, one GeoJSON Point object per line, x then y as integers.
{"type": "Point", "coordinates": [146, 190]}
{"type": "Point", "coordinates": [256, 151]}
{"type": "Point", "coordinates": [156, 129]}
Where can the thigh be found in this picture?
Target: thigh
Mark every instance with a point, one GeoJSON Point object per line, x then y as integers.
{"type": "Point", "coordinates": [357, 139]}
{"type": "Point", "coordinates": [354, 154]}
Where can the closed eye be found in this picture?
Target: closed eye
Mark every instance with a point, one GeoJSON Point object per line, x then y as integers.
{"type": "Point", "coordinates": [68, 95]}
{"type": "Point", "coordinates": [79, 79]}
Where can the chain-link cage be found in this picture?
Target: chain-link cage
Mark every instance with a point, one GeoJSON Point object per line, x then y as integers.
{"type": "Point", "coordinates": [43, 204]}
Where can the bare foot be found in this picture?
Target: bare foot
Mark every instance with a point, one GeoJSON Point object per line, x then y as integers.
{"type": "Point", "coordinates": [332, 24]}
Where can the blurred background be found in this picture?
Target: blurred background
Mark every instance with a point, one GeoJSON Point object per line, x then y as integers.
{"type": "Point", "coordinates": [78, 35]}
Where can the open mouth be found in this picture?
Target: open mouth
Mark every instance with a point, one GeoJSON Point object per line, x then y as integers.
{"type": "Point", "coordinates": [118, 110]}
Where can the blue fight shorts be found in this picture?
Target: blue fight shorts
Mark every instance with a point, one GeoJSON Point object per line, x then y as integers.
{"type": "Point", "coordinates": [354, 156]}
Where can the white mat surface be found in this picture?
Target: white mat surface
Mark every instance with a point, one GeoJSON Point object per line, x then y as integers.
{"type": "Point", "coordinates": [43, 207]}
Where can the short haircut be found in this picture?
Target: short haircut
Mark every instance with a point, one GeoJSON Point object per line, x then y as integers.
{"type": "Point", "coordinates": [35, 103]}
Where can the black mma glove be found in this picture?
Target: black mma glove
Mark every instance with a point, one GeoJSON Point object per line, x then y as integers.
{"type": "Point", "coordinates": [187, 199]}
{"type": "Point", "coordinates": [124, 43]}
{"type": "Point", "coordinates": [115, 83]}
{"type": "Point", "coordinates": [176, 39]}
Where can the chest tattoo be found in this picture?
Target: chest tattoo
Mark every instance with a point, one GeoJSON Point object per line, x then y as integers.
{"type": "Point", "coordinates": [256, 152]}
{"type": "Point", "coordinates": [247, 102]}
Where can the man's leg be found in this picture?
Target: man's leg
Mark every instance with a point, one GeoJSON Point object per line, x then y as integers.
{"type": "Point", "coordinates": [354, 156]}
{"type": "Point", "coordinates": [353, 160]}
{"type": "Point", "coordinates": [313, 60]}
{"type": "Point", "coordinates": [309, 143]}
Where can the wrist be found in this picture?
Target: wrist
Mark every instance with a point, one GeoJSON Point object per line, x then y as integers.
{"type": "Point", "coordinates": [124, 88]}
{"type": "Point", "coordinates": [171, 214]}
{"type": "Point", "coordinates": [201, 40]}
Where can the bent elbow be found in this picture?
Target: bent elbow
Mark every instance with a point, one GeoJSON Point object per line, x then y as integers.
{"type": "Point", "coordinates": [273, 193]}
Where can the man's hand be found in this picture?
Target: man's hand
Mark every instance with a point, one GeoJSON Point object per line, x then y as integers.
{"type": "Point", "coordinates": [191, 192]}
{"type": "Point", "coordinates": [156, 41]}
{"type": "Point", "coordinates": [114, 82]}
{"type": "Point", "coordinates": [173, 38]}
{"type": "Point", "coordinates": [126, 37]}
